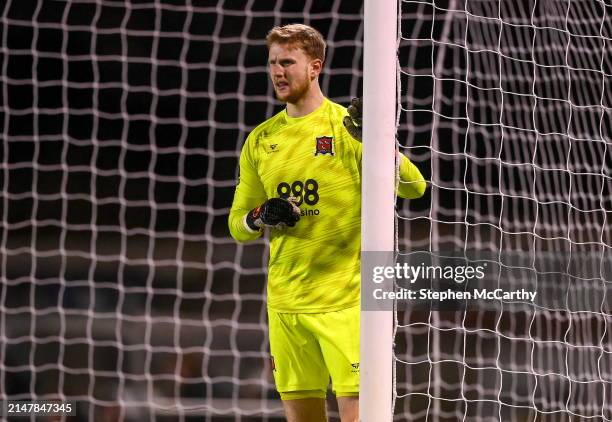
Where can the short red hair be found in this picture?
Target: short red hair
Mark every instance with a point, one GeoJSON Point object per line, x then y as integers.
{"type": "Point", "coordinates": [303, 36]}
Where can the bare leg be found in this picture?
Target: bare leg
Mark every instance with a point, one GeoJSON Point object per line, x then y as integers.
{"type": "Point", "coordinates": [305, 410]}
{"type": "Point", "coordinates": [349, 408]}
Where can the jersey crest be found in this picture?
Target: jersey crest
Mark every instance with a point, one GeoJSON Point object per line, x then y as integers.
{"type": "Point", "coordinates": [325, 145]}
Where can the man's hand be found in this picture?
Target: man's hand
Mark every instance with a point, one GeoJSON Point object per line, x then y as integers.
{"type": "Point", "coordinates": [353, 122]}
{"type": "Point", "coordinates": [275, 212]}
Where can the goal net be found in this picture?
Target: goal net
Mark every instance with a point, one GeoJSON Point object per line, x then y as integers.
{"type": "Point", "coordinates": [506, 107]}
{"type": "Point", "coordinates": [122, 122]}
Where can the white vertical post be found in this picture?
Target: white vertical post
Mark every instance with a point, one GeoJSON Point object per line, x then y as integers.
{"type": "Point", "coordinates": [378, 198]}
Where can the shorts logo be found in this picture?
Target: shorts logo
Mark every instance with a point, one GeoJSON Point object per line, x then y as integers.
{"type": "Point", "coordinates": [325, 145]}
{"type": "Point", "coordinates": [355, 368]}
{"type": "Point", "coordinates": [272, 363]}
{"type": "Point", "coordinates": [270, 148]}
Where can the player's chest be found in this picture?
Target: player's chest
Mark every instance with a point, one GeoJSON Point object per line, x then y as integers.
{"type": "Point", "coordinates": [293, 153]}
{"type": "Point", "coordinates": [310, 165]}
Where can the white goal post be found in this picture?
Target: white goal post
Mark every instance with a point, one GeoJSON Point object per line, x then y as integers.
{"type": "Point", "coordinates": [378, 198]}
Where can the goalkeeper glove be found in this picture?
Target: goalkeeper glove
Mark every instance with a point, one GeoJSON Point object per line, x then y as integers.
{"type": "Point", "coordinates": [275, 212]}
{"type": "Point", "coordinates": [353, 122]}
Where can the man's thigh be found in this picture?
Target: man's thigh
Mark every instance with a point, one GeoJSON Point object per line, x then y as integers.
{"type": "Point", "coordinates": [298, 365]}
{"type": "Point", "coordinates": [338, 336]}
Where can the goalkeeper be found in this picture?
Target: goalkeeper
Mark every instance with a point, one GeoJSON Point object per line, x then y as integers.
{"type": "Point", "coordinates": [300, 177]}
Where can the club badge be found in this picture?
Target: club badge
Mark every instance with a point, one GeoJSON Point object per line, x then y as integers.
{"type": "Point", "coordinates": [325, 145]}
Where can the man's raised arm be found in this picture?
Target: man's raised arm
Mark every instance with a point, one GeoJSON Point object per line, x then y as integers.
{"type": "Point", "coordinates": [412, 184]}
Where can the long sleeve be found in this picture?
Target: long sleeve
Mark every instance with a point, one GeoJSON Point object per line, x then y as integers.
{"type": "Point", "coordinates": [412, 184]}
{"type": "Point", "coordinates": [249, 194]}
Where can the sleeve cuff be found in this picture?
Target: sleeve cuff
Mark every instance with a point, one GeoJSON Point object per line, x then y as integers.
{"type": "Point", "coordinates": [246, 226]}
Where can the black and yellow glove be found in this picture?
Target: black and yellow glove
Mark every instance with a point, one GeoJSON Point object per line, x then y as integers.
{"type": "Point", "coordinates": [353, 122]}
{"type": "Point", "coordinates": [275, 212]}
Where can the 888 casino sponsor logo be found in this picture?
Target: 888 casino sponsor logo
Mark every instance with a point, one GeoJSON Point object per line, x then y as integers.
{"type": "Point", "coordinates": [303, 192]}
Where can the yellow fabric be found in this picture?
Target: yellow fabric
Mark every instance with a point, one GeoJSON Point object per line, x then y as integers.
{"type": "Point", "coordinates": [339, 394]}
{"type": "Point", "coordinates": [314, 266]}
{"type": "Point", "coordinates": [411, 184]}
{"type": "Point", "coordinates": [306, 394]}
{"type": "Point", "coordinates": [311, 394]}
{"type": "Point", "coordinates": [309, 348]}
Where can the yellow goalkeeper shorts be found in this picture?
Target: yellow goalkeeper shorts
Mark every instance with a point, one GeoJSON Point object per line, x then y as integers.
{"type": "Point", "coordinates": [309, 348]}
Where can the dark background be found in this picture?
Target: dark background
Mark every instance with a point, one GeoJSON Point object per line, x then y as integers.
{"type": "Point", "coordinates": [122, 124]}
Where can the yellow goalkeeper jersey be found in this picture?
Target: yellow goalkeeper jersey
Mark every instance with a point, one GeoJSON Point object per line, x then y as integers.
{"type": "Point", "coordinates": [314, 266]}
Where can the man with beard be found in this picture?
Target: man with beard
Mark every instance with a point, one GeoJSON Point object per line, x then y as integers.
{"type": "Point", "coordinates": [300, 176]}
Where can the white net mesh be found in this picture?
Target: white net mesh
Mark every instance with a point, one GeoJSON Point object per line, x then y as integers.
{"type": "Point", "coordinates": [509, 103]}
{"type": "Point", "coordinates": [121, 127]}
